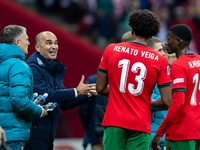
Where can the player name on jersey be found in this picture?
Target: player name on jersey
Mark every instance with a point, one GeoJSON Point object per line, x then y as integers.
{"type": "Point", "coordinates": [131, 51]}
{"type": "Point", "coordinates": [195, 63]}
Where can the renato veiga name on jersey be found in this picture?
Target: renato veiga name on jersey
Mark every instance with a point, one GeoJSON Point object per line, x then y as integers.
{"type": "Point", "coordinates": [131, 51]}
{"type": "Point", "coordinates": [195, 63]}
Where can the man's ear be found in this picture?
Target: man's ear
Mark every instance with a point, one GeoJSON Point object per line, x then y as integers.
{"type": "Point", "coordinates": [179, 41]}
{"type": "Point", "coordinates": [17, 42]}
{"type": "Point", "coordinates": [37, 47]}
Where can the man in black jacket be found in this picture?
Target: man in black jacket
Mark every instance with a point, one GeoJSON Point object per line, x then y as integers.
{"type": "Point", "coordinates": [48, 73]}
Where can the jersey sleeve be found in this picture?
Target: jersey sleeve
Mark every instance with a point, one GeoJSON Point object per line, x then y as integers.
{"type": "Point", "coordinates": [164, 74]}
{"type": "Point", "coordinates": [103, 64]}
{"type": "Point", "coordinates": [178, 77]}
{"type": "Point", "coordinates": [178, 101]}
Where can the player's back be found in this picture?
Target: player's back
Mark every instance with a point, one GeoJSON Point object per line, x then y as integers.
{"type": "Point", "coordinates": [186, 78]}
{"type": "Point", "coordinates": [133, 70]}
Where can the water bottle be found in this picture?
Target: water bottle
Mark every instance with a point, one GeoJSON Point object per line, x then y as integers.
{"type": "Point", "coordinates": [35, 95]}
{"type": "Point", "coordinates": [50, 106]}
{"type": "Point", "coordinates": [40, 99]}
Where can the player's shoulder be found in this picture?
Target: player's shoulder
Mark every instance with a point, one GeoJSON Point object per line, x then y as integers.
{"type": "Point", "coordinates": [180, 63]}
{"type": "Point", "coordinates": [185, 58]}
{"type": "Point", "coordinates": [111, 46]}
{"type": "Point", "coordinates": [118, 44]}
{"type": "Point", "coordinates": [177, 62]}
{"type": "Point", "coordinates": [197, 55]}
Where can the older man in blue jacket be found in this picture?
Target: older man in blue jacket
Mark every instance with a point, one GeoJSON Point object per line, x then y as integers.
{"type": "Point", "coordinates": [48, 73]}
{"type": "Point", "coordinates": [16, 84]}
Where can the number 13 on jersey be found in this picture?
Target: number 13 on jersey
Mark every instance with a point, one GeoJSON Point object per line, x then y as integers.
{"type": "Point", "coordinates": [125, 64]}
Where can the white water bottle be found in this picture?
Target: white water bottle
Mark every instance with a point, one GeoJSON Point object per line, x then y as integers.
{"type": "Point", "coordinates": [50, 106]}
{"type": "Point", "coordinates": [40, 99]}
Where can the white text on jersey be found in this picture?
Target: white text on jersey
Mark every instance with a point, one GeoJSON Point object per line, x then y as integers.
{"type": "Point", "coordinates": [131, 51]}
{"type": "Point", "coordinates": [195, 63]}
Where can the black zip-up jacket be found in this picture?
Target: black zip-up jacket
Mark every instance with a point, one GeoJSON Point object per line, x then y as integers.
{"type": "Point", "coordinates": [48, 79]}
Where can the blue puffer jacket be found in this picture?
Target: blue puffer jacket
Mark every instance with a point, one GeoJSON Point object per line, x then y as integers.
{"type": "Point", "coordinates": [158, 116]}
{"type": "Point", "coordinates": [16, 87]}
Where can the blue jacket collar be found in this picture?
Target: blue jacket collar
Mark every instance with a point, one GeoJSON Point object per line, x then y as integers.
{"type": "Point", "coordinates": [53, 66]}
{"type": "Point", "coordinates": [10, 51]}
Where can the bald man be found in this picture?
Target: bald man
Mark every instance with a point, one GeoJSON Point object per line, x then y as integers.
{"type": "Point", "coordinates": [127, 36]}
{"type": "Point", "coordinates": [48, 73]}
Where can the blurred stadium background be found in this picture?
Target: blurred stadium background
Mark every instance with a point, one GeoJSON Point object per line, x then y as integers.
{"type": "Point", "coordinates": [84, 28]}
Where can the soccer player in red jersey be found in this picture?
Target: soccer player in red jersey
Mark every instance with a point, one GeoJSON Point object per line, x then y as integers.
{"type": "Point", "coordinates": [182, 123]}
{"type": "Point", "coordinates": [131, 69]}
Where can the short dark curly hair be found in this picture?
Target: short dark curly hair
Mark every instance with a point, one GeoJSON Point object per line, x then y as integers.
{"type": "Point", "coordinates": [144, 23]}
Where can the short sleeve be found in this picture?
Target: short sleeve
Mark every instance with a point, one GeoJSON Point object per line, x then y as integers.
{"type": "Point", "coordinates": [104, 59]}
{"type": "Point", "coordinates": [178, 77]}
{"type": "Point", "coordinates": [164, 78]}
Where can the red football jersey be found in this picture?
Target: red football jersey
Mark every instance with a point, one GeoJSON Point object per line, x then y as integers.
{"type": "Point", "coordinates": [133, 70]}
{"type": "Point", "coordinates": [183, 118]}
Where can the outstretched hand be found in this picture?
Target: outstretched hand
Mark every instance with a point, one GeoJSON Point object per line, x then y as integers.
{"type": "Point", "coordinates": [86, 89]}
